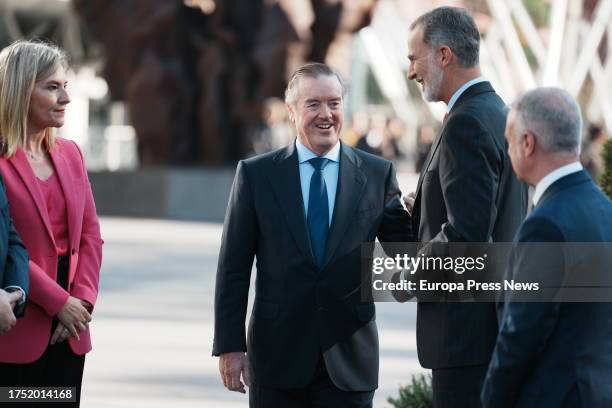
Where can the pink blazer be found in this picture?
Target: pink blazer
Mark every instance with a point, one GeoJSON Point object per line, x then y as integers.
{"type": "Point", "coordinates": [27, 341]}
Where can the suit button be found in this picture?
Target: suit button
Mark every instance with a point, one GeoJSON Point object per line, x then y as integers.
{"type": "Point", "coordinates": [73, 251]}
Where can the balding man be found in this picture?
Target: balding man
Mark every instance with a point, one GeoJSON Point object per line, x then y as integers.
{"type": "Point", "coordinates": [553, 354]}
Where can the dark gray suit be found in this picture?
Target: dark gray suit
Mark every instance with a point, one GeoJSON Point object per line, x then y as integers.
{"type": "Point", "coordinates": [302, 312]}
{"type": "Point", "coordinates": [467, 192]}
{"type": "Point", "coordinates": [556, 354]}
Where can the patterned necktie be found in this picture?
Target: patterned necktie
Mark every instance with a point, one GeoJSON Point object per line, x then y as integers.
{"type": "Point", "coordinates": [318, 210]}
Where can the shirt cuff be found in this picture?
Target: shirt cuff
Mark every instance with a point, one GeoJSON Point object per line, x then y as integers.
{"type": "Point", "coordinates": [23, 293]}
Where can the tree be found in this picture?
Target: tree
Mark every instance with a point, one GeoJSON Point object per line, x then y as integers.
{"type": "Point", "coordinates": [605, 181]}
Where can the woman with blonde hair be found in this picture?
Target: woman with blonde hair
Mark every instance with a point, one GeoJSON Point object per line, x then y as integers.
{"type": "Point", "coordinates": [53, 210]}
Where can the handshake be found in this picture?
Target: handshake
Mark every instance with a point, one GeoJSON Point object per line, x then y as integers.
{"type": "Point", "coordinates": [408, 202]}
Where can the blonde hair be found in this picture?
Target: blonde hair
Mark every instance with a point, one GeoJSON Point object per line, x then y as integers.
{"type": "Point", "coordinates": [22, 64]}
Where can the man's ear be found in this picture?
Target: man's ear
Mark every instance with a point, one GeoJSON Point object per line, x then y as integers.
{"type": "Point", "coordinates": [528, 144]}
{"type": "Point", "coordinates": [291, 112]}
{"type": "Point", "coordinates": [446, 56]}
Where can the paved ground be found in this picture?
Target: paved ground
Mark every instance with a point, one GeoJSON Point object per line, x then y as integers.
{"type": "Point", "coordinates": [153, 324]}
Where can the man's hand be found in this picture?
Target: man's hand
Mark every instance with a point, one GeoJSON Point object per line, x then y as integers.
{"type": "Point", "coordinates": [231, 365]}
{"type": "Point", "coordinates": [408, 201]}
{"type": "Point", "coordinates": [7, 317]}
{"type": "Point", "coordinates": [16, 296]}
{"type": "Point", "coordinates": [74, 317]}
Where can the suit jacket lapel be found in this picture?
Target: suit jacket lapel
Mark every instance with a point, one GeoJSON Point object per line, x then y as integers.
{"type": "Point", "coordinates": [417, 201]}
{"type": "Point", "coordinates": [65, 178]}
{"type": "Point", "coordinates": [351, 186]}
{"type": "Point", "coordinates": [21, 164]}
{"type": "Point", "coordinates": [285, 181]}
{"type": "Point", "coordinates": [430, 155]}
{"type": "Point", "coordinates": [473, 90]}
{"type": "Point", "coordinates": [467, 94]}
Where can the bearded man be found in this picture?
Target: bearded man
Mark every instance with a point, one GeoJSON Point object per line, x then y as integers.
{"type": "Point", "coordinates": [467, 192]}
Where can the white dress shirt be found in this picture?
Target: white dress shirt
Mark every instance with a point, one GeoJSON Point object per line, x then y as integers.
{"type": "Point", "coordinates": [553, 176]}
{"type": "Point", "coordinates": [330, 173]}
{"type": "Point", "coordinates": [461, 90]}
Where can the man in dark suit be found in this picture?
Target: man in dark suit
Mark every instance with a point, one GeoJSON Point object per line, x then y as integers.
{"type": "Point", "coordinates": [14, 269]}
{"type": "Point", "coordinates": [466, 192]}
{"type": "Point", "coordinates": [553, 354]}
{"type": "Point", "coordinates": [303, 211]}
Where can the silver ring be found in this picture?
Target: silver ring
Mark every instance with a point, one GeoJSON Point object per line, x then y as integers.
{"type": "Point", "coordinates": [66, 330]}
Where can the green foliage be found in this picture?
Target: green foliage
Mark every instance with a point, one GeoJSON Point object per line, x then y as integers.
{"type": "Point", "coordinates": [538, 10]}
{"type": "Point", "coordinates": [418, 394]}
{"type": "Point", "coordinates": [605, 181]}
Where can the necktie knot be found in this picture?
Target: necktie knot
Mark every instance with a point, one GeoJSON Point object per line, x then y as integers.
{"type": "Point", "coordinates": [318, 163]}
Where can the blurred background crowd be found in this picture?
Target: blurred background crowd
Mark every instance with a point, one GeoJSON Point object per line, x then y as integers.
{"type": "Point", "coordinates": [200, 82]}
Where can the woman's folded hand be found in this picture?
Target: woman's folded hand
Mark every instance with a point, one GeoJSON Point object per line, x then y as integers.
{"type": "Point", "coordinates": [74, 316]}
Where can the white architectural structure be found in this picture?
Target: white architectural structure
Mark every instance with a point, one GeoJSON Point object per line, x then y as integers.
{"type": "Point", "coordinates": [565, 52]}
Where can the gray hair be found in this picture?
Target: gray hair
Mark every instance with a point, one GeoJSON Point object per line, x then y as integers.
{"type": "Point", "coordinates": [554, 118]}
{"type": "Point", "coordinates": [309, 70]}
{"type": "Point", "coordinates": [453, 27]}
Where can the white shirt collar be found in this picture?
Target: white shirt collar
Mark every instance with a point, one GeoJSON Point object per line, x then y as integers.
{"type": "Point", "coordinates": [553, 176]}
{"type": "Point", "coordinates": [461, 90]}
{"type": "Point", "coordinates": [305, 154]}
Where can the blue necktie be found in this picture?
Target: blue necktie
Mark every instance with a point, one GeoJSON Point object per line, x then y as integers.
{"type": "Point", "coordinates": [318, 210]}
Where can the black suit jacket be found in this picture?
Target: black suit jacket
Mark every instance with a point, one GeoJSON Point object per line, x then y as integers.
{"type": "Point", "coordinates": [14, 268]}
{"type": "Point", "coordinates": [467, 192]}
{"type": "Point", "coordinates": [556, 354]}
{"type": "Point", "coordinates": [301, 312]}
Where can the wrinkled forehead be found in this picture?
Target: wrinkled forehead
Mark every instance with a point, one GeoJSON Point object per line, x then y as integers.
{"type": "Point", "coordinates": [320, 87]}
